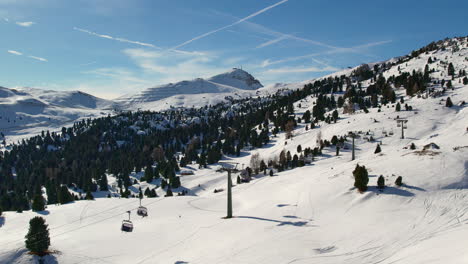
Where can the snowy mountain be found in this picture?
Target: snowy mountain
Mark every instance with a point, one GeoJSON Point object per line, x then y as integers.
{"type": "Point", "coordinates": [198, 92]}
{"type": "Point", "coordinates": [28, 111]}
{"type": "Point", "coordinates": [306, 214]}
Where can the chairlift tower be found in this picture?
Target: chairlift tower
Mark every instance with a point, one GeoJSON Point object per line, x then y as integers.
{"type": "Point", "coordinates": [401, 122]}
{"type": "Point", "coordinates": [229, 168]}
{"type": "Point", "coordinates": [353, 136]}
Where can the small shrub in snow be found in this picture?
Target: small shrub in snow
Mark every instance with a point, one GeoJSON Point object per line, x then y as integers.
{"type": "Point", "coordinates": [399, 181]}
{"type": "Point", "coordinates": [361, 178]}
{"type": "Point", "coordinates": [377, 149]}
{"type": "Point", "coordinates": [381, 182]}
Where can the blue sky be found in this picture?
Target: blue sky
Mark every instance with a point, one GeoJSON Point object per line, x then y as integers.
{"type": "Point", "coordinates": [113, 47]}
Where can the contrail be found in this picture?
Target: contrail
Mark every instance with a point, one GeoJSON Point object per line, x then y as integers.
{"type": "Point", "coordinates": [230, 25]}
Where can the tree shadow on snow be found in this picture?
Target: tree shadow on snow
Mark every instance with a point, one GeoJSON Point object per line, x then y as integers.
{"type": "Point", "coordinates": [45, 212]}
{"type": "Point", "coordinates": [290, 216]}
{"type": "Point", "coordinates": [280, 223]}
{"type": "Point", "coordinates": [2, 221]}
{"type": "Point", "coordinates": [389, 190]}
{"type": "Point", "coordinates": [284, 205]}
{"type": "Point", "coordinates": [181, 262]}
{"type": "Point", "coordinates": [14, 256]}
{"type": "Point", "coordinates": [49, 259]}
{"type": "Point", "coordinates": [414, 188]}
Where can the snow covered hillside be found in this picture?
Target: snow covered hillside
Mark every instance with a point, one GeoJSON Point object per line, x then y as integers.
{"type": "Point", "coordinates": [308, 214]}
{"type": "Point", "coordinates": [28, 111]}
{"type": "Point", "coordinates": [236, 83]}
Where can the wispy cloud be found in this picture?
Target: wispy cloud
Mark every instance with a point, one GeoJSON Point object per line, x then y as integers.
{"type": "Point", "coordinates": [303, 69]}
{"type": "Point", "coordinates": [25, 24]}
{"type": "Point", "coordinates": [271, 42]}
{"type": "Point", "coordinates": [38, 58]}
{"type": "Point", "coordinates": [230, 25]}
{"type": "Point", "coordinates": [88, 63]}
{"type": "Point", "coordinates": [171, 67]}
{"type": "Point", "coordinates": [279, 36]}
{"type": "Point", "coordinates": [15, 52]}
{"type": "Point", "coordinates": [355, 49]}
{"type": "Point", "coordinates": [116, 38]}
{"type": "Point", "coordinates": [6, 19]}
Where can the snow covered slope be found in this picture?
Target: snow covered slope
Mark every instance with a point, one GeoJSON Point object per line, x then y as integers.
{"type": "Point", "coordinates": [311, 214]}
{"type": "Point", "coordinates": [198, 92]}
{"type": "Point", "coordinates": [28, 111]}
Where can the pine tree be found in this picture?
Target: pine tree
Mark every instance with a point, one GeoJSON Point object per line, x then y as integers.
{"type": "Point", "coordinates": [448, 103]}
{"type": "Point", "coordinates": [449, 84]}
{"type": "Point", "coordinates": [64, 195]}
{"type": "Point", "coordinates": [299, 149]}
{"type": "Point", "coordinates": [399, 181]}
{"type": "Point", "coordinates": [103, 183]}
{"type": "Point", "coordinates": [361, 178]}
{"type": "Point", "coordinates": [451, 69]}
{"type": "Point", "coordinates": [377, 149]}
{"type": "Point", "coordinates": [89, 195]}
{"type": "Point", "coordinates": [381, 182]}
{"type": "Point", "coordinates": [398, 107]}
{"type": "Point", "coordinates": [38, 203]}
{"type": "Point", "coordinates": [169, 192]}
{"type": "Point", "coordinates": [51, 191]}
{"type": "Point", "coordinates": [413, 146]}
{"type": "Point", "coordinates": [37, 239]}
{"type": "Point", "coordinates": [149, 174]}
{"type": "Point", "coordinates": [271, 173]}
{"type": "Point", "coordinates": [465, 80]}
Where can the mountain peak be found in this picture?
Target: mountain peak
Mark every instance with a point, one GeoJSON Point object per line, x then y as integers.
{"type": "Point", "coordinates": [237, 78]}
{"type": "Point", "coordinates": [234, 81]}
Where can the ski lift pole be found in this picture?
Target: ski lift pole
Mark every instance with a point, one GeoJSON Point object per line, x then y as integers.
{"type": "Point", "coordinates": [229, 194]}
{"type": "Point", "coordinates": [353, 135]}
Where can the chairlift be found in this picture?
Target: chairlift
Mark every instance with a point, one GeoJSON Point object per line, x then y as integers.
{"type": "Point", "coordinates": [127, 225]}
{"type": "Point", "coordinates": [142, 211]}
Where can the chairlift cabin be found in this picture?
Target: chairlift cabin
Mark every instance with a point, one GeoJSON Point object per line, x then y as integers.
{"type": "Point", "coordinates": [127, 225]}
{"type": "Point", "coordinates": [142, 211]}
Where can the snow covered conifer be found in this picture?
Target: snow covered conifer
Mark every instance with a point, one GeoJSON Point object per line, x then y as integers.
{"type": "Point", "coordinates": [37, 239]}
